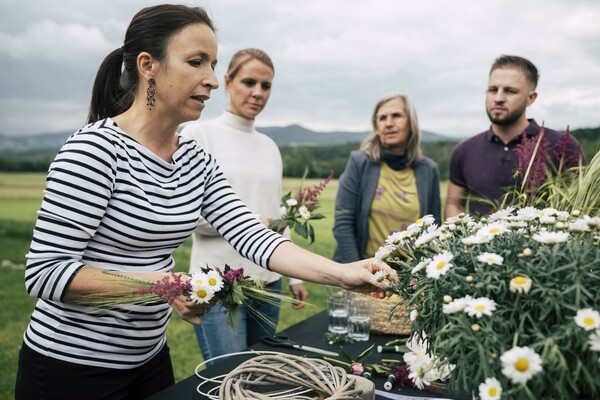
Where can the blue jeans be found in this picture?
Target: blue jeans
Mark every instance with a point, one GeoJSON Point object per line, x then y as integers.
{"type": "Point", "coordinates": [216, 338]}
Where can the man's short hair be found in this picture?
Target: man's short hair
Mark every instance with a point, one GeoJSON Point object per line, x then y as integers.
{"type": "Point", "coordinates": [530, 70]}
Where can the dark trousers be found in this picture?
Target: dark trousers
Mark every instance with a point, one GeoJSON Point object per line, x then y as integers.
{"type": "Point", "coordinates": [44, 378]}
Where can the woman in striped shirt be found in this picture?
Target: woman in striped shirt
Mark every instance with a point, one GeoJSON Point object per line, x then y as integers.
{"type": "Point", "coordinates": [122, 194]}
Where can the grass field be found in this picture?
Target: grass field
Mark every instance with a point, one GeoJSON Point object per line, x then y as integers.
{"type": "Point", "coordinates": [20, 197]}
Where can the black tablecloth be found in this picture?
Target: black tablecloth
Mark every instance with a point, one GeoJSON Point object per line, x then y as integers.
{"type": "Point", "coordinates": [310, 332]}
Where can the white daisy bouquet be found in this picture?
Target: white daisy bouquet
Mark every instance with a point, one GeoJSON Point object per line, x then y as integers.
{"type": "Point", "coordinates": [297, 211]}
{"type": "Point", "coordinates": [229, 287]}
{"type": "Point", "coordinates": [504, 306]}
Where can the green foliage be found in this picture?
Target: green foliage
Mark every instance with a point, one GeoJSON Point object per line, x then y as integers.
{"type": "Point", "coordinates": [589, 138]}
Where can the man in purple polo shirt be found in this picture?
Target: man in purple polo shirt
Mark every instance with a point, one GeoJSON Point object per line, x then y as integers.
{"type": "Point", "coordinates": [484, 165]}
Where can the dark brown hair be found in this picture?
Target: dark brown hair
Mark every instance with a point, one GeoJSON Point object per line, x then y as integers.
{"type": "Point", "coordinates": [523, 64]}
{"type": "Point", "coordinates": [150, 30]}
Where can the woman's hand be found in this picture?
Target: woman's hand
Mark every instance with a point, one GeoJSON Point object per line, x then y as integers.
{"type": "Point", "coordinates": [358, 274]}
{"type": "Point", "coordinates": [190, 311]}
{"type": "Point", "coordinates": [300, 295]}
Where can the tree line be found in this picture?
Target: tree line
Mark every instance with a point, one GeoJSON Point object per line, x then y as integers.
{"type": "Point", "coordinates": [318, 161]}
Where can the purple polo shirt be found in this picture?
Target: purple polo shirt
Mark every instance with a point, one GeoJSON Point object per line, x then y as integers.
{"type": "Point", "coordinates": [485, 166]}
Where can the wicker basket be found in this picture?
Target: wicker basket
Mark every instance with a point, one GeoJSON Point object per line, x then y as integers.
{"type": "Point", "coordinates": [381, 323]}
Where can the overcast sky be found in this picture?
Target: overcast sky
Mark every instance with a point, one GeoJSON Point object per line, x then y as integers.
{"type": "Point", "coordinates": [333, 58]}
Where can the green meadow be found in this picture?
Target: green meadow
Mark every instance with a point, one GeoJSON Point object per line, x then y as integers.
{"type": "Point", "coordinates": [20, 198]}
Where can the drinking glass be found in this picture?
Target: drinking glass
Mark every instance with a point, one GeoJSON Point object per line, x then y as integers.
{"type": "Point", "coordinates": [359, 317]}
{"type": "Point", "coordinates": [337, 310]}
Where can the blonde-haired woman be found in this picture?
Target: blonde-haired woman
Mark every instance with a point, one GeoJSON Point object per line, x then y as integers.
{"type": "Point", "coordinates": [251, 162]}
{"type": "Point", "coordinates": [387, 184]}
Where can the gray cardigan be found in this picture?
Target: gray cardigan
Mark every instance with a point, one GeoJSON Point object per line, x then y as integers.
{"type": "Point", "coordinates": [357, 187]}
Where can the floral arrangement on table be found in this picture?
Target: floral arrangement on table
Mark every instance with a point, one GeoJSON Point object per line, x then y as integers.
{"type": "Point", "coordinates": [229, 287]}
{"type": "Point", "coordinates": [508, 304]}
{"type": "Point", "coordinates": [297, 211]}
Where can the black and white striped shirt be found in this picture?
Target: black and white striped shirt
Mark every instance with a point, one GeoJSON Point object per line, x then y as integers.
{"type": "Point", "coordinates": [111, 203]}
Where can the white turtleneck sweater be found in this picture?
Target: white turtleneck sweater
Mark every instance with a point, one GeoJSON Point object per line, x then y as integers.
{"type": "Point", "coordinates": [252, 164]}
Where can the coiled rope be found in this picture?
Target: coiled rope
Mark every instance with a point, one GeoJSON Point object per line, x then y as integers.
{"type": "Point", "coordinates": [296, 377]}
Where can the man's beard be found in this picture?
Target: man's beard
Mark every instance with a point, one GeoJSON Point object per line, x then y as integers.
{"type": "Point", "coordinates": [508, 119]}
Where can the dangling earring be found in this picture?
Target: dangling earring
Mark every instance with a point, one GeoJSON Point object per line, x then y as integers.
{"type": "Point", "coordinates": [150, 92]}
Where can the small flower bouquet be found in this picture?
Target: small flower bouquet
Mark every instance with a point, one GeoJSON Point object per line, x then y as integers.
{"type": "Point", "coordinates": [509, 303]}
{"type": "Point", "coordinates": [296, 212]}
{"type": "Point", "coordinates": [230, 287]}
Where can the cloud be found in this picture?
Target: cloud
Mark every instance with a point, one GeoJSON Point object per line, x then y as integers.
{"type": "Point", "coordinates": [334, 59]}
{"type": "Point", "coordinates": [49, 41]}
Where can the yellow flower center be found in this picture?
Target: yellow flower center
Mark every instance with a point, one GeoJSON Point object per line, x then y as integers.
{"type": "Point", "coordinates": [493, 391]}
{"type": "Point", "coordinates": [589, 321]}
{"type": "Point", "coordinates": [441, 265]}
{"type": "Point", "coordinates": [522, 365]}
{"type": "Point", "coordinates": [480, 307]}
{"type": "Point", "coordinates": [419, 221]}
{"type": "Point", "coordinates": [201, 293]}
{"type": "Point", "coordinates": [494, 230]}
{"type": "Point", "coordinates": [519, 280]}
{"type": "Point", "coordinates": [212, 281]}
{"type": "Point", "coordinates": [198, 281]}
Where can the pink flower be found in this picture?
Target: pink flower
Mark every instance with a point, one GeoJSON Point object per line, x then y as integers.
{"type": "Point", "coordinates": [310, 197]}
{"type": "Point", "coordinates": [168, 288]}
{"type": "Point", "coordinates": [357, 368]}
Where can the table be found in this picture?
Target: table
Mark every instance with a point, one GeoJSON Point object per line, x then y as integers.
{"type": "Point", "coordinates": [309, 332]}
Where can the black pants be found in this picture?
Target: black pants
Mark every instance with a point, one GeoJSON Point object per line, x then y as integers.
{"type": "Point", "coordinates": [44, 378]}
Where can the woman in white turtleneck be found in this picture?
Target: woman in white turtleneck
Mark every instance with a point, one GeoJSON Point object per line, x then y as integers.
{"type": "Point", "coordinates": [251, 162]}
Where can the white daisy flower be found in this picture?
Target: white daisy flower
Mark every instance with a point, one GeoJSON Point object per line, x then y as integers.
{"type": "Point", "coordinates": [588, 319]}
{"type": "Point", "coordinates": [398, 237]}
{"type": "Point", "coordinates": [594, 341]}
{"type": "Point", "coordinates": [501, 215]}
{"type": "Point", "coordinates": [579, 225]}
{"type": "Point", "coordinates": [425, 238]}
{"type": "Point", "coordinates": [214, 280]}
{"type": "Point", "coordinates": [547, 212]}
{"type": "Point", "coordinates": [384, 252]}
{"type": "Point", "coordinates": [439, 265]}
{"type": "Point", "coordinates": [520, 284]}
{"type": "Point", "coordinates": [413, 315]}
{"type": "Point", "coordinates": [480, 306]}
{"type": "Point", "coordinates": [514, 225]}
{"type": "Point", "coordinates": [456, 305]}
{"type": "Point", "coordinates": [476, 239]}
{"type": "Point", "coordinates": [199, 278]}
{"type": "Point", "coordinates": [421, 372]}
{"type": "Point", "coordinates": [520, 364]}
{"type": "Point", "coordinates": [550, 237]}
{"type": "Point", "coordinates": [490, 389]}
{"type": "Point", "coordinates": [291, 202]}
{"type": "Point", "coordinates": [528, 213]}
{"type": "Point", "coordinates": [201, 294]}
{"type": "Point", "coordinates": [422, 264]}
{"type": "Point", "coordinates": [304, 213]}
{"type": "Point", "coordinates": [414, 228]}
{"type": "Point", "coordinates": [592, 221]}
{"type": "Point", "coordinates": [490, 258]}
{"type": "Point", "coordinates": [378, 277]}
{"type": "Point", "coordinates": [493, 229]}
{"type": "Point", "coordinates": [547, 219]}
{"type": "Point", "coordinates": [425, 220]}
{"type": "Point", "coordinates": [562, 216]}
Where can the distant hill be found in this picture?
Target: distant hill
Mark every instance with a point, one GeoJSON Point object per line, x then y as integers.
{"type": "Point", "coordinates": [296, 135]}
{"type": "Point", "coordinates": [292, 135]}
